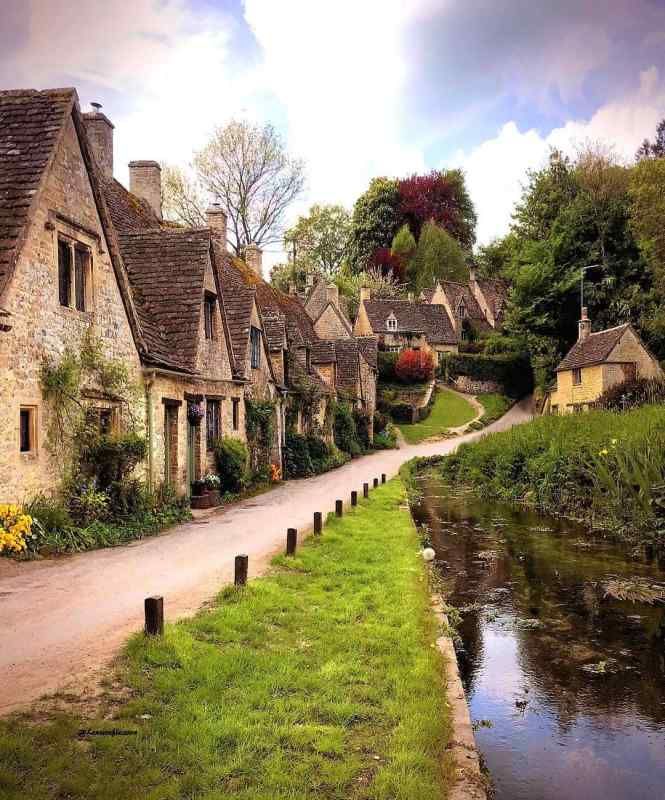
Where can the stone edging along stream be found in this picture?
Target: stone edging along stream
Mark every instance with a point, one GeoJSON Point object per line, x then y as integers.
{"type": "Point", "coordinates": [470, 783]}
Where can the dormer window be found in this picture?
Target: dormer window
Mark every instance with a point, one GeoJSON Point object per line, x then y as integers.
{"type": "Point", "coordinates": [209, 305]}
{"type": "Point", "coordinates": [461, 310]}
{"type": "Point", "coordinates": [391, 323]}
{"type": "Point", "coordinates": [74, 275]}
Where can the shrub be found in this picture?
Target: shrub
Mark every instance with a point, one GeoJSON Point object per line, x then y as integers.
{"type": "Point", "coordinates": [361, 419]}
{"type": "Point", "coordinates": [318, 453]}
{"type": "Point", "coordinates": [50, 512]}
{"type": "Point", "coordinates": [632, 394]}
{"type": "Point", "coordinates": [386, 365]}
{"type": "Point", "coordinates": [385, 439]}
{"type": "Point", "coordinates": [381, 421]}
{"type": "Point", "coordinates": [112, 458]}
{"type": "Point", "coordinates": [401, 412]}
{"type": "Point", "coordinates": [126, 498]}
{"type": "Point", "coordinates": [297, 459]}
{"type": "Point", "coordinates": [232, 463]}
{"type": "Point", "coordinates": [414, 366]}
{"type": "Point", "coordinates": [344, 430]}
{"type": "Point", "coordinates": [86, 502]}
{"type": "Point", "coordinates": [511, 371]}
{"type": "Point", "coordinates": [15, 529]}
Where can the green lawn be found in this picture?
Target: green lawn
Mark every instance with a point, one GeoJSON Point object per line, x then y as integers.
{"type": "Point", "coordinates": [318, 681]}
{"type": "Point", "coordinates": [495, 406]}
{"type": "Point", "coordinates": [449, 410]}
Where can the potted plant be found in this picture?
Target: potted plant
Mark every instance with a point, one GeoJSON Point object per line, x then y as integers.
{"type": "Point", "coordinates": [198, 488]}
{"type": "Point", "coordinates": [195, 412]}
{"type": "Point", "coordinates": [205, 491]}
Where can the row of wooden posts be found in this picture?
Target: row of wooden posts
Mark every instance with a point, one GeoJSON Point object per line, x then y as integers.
{"type": "Point", "coordinates": [154, 606]}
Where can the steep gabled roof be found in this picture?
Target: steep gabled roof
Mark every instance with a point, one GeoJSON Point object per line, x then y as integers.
{"type": "Point", "coordinates": [457, 292]}
{"type": "Point", "coordinates": [274, 326]}
{"type": "Point", "coordinates": [323, 351]}
{"type": "Point", "coordinates": [495, 293]}
{"type": "Point", "coordinates": [595, 349]}
{"type": "Point", "coordinates": [238, 304]}
{"type": "Point", "coordinates": [347, 358]}
{"type": "Point", "coordinates": [167, 270]}
{"type": "Point", "coordinates": [128, 212]}
{"type": "Point", "coordinates": [341, 316]}
{"type": "Point", "coordinates": [421, 317]}
{"type": "Point", "coordinates": [31, 124]}
{"type": "Point", "coordinates": [369, 347]}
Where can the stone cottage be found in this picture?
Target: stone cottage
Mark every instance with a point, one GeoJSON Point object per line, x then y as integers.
{"type": "Point", "coordinates": [79, 256]}
{"type": "Point", "coordinates": [596, 362]}
{"type": "Point", "coordinates": [406, 324]}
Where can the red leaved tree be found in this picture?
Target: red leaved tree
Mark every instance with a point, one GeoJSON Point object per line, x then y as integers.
{"type": "Point", "coordinates": [415, 366]}
{"type": "Point", "coordinates": [388, 262]}
{"type": "Point", "coordinates": [442, 198]}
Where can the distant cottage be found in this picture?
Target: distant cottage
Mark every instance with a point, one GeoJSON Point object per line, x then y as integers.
{"type": "Point", "coordinates": [595, 363]}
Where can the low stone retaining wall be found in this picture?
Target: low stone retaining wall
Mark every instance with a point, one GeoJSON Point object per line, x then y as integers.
{"type": "Point", "coordinates": [469, 386]}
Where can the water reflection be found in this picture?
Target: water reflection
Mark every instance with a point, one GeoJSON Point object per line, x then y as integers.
{"type": "Point", "coordinates": [573, 682]}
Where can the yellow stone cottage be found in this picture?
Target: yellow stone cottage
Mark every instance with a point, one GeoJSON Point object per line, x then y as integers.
{"type": "Point", "coordinates": [596, 362]}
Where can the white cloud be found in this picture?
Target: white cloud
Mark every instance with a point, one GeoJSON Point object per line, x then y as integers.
{"type": "Point", "coordinates": [496, 169]}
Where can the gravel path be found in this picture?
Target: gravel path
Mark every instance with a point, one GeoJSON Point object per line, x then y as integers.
{"type": "Point", "coordinates": [62, 619]}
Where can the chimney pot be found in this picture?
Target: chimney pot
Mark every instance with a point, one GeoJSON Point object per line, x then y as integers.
{"type": "Point", "coordinates": [145, 181]}
{"type": "Point", "coordinates": [216, 218]}
{"type": "Point", "coordinates": [365, 293]}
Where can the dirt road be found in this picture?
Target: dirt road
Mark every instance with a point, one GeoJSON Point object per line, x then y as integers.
{"type": "Point", "coordinates": [62, 619]}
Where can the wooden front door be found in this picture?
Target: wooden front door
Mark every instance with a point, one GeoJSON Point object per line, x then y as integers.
{"type": "Point", "coordinates": [171, 445]}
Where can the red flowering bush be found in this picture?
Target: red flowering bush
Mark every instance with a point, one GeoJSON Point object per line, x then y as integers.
{"type": "Point", "coordinates": [414, 366]}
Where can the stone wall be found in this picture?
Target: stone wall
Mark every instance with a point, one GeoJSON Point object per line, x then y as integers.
{"type": "Point", "coordinates": [330, 326]}
{"type": "Point", "coordinates": [43, 328]}
{"type": "Point", "coordinates": [470, 386]}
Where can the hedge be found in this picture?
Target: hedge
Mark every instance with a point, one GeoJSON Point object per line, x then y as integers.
{"type": "Point", "coordinates": [386, 366]}
{"type": "Point", "coordinates": [512, 372]}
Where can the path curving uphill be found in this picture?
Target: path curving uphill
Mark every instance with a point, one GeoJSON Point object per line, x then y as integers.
{"type": "Point", "coordinates": [61, 620]}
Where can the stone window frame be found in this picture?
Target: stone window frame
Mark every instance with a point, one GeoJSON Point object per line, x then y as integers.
{"type": "Point", "coordinates": [213, 426]}
{"type": "Point", "coordinates": [235, 413]}
{"type": "Point", "coordinates": [79, 239]}
{"type": "Point", "coordinates": [29, 409]}
{"type": "Point", "coordinates": [255, 347]}
{"type": "Point", "coordinates": [209, 309]}
{"type": "Point", "coordinates": [577, 376]}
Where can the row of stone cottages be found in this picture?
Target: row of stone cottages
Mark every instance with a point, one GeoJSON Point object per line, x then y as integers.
{"type": "Point", "coordinates": [199, 331]}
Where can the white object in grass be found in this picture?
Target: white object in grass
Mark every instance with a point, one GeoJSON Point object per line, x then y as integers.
{"type": "Point", "coordinates": [429, 554]}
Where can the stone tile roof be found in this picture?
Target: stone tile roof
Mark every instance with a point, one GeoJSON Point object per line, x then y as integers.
{"type": "Point", "coordinates": [30, 127]}
{"type": "Point", "coordinates": [419, 317]}
{"type": "Point", "coordinates": [323, 351]}
{"type": "Point", "coordinates": [128, 212]}
{"type": "Point", "coordinates": [369, 347]}
{"type": "Point", "coordinates": [347, 359]}
{"type": "Point", "coordinates": [495, 293]}
{"type": "Point", "coordinates": [455, 292]}
{"type": "Point", "coordinates": [274, 326]}
{"type": "Point", "coordinates": [166, 271]}
{"type": "Point", "coordinates": [238, 304]}
{"type": "Point", "coordinates": [593, 350]}
{"type": "Point", "coordinates": [317, 298]}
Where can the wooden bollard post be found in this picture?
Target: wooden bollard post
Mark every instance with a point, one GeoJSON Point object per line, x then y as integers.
{"type": "Point", "coordinates": [318, 525]}
{"type": "Point", "coordinates": [291, 541]}
{"type": "Point", "coordinates": [339, 508]}
{"type": "Point", "coordinates": [365, 489]}
{"type": "Point", "coordinates": [376, 482]}
{"type": "Point", "coordinates": [383, 477]}
{"type": "Point", "coordinates": [241, 570]}
{"type": "Point", "coordinates": [354, 498]}
{"type": "Point", "coordinates": [154, 615]}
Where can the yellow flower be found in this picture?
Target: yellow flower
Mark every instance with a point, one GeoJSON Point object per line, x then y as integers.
{"type": "Point", "coordinates": [603, 452]}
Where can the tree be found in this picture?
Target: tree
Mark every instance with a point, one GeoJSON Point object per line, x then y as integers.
{"type": "Point", "coordinates": [247, 170]}
{"type": "Point", "coordinates": [382, 286]}
{"type": "Point", "coordinates": [492, 260]}
{"type": "Point", "coordinates": [415, 366]}
{"type": "Point", "coordinates": [443, 198]}
{"type": "Point", "coordinates": [437, 257]}
{"type": "Point", "coordinates": [647, 214]}
{"type": "Point", "coordinates": [320, 240]}
{"type": "Point", "coordinates": [182, 197]}
{"type": "Point", "coordinates": [655, 149]}
{"type": "Point", "coordinates": [404, 244]}
{"type": "Point", "coordinates": [376, 218]}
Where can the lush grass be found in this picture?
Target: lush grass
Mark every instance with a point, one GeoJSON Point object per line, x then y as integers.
{"type": "Point", "coordinates": [449, 411]}
{"type": "Point", "coordinates": [318, 681]}
{"type": "Point", "coordinates": [495, 406]}
{"type": "Point", "coordinates": [603, 466]}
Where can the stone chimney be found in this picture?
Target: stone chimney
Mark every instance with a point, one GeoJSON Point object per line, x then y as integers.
{"type": "Point", "coordinates": [100, 134]}
{"type": "Point", "coordinates": [584, 326]}
{"type": "Point", "coordinates": [365, 293]}
{"type": "Point", "coordinates": [332, 294]}
{"type": "Point", "coordinates": [253, 258]}
{"type": "Point", "coordinates": [472, 275]}
{"type": "Point", "coordinates": [216, 218]}
{"type": "Point", "coordinates": [145, 181]}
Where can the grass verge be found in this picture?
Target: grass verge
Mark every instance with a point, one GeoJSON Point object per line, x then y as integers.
{"type": "Point", "coordinates": [449, 411]}
{"type": "Point", "coordinates": [495, 406]}
{"type": "Point", "coordinates": [318, 681]}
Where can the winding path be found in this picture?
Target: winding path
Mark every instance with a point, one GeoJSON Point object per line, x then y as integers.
{"type": "Point", "coordinates": [62, 619]}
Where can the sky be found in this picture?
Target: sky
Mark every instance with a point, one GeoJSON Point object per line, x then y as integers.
{"type": "Point", "coordinates": [358, 88]}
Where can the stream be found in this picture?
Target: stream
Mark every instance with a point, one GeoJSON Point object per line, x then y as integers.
{"type": "Point", "coordinates": [565, 684]}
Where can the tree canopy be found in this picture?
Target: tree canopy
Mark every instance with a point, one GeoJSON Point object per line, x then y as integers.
{"type": "Point", "coordinates": [319, 241]}
{"type": "Point", "coordinates": [438, 257]}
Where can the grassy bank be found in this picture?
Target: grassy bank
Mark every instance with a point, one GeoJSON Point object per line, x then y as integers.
{"type": "Point", "coordinates": [606, 467]}
{"type": "Point", "coordinates": [316, 681]}
{"type": "Point", "coordinates": [495, 406]}
{"type": "Point", "coordinates": [449, 411]}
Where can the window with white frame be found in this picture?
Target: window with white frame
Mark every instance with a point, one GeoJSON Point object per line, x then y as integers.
{"type": "Point", "coordinates": [391, 323]}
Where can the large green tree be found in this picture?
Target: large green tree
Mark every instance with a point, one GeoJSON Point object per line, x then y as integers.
{"type": "Point", "coordinates": [376, 218]}
{"type": "Point", "coordinates": [319, 241]}
{"type": "Point", "coordinates": [437, 257]}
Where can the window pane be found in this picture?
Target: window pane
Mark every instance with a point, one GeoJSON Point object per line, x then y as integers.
{"type": "Point", "coordinates": [236, 413]}
{"type": "Point", "coordinates": [212, 423]}
{"type": "Point", "coordinates": [208, 315]}
{"type": "Point", "coordinates": [80, 270]}
{"type": "Point", "coordinates": [25, 431]}
{"type": "Point", "coordinates": [64, 273]}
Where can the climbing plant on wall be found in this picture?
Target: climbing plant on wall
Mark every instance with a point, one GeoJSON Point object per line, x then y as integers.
{"type": "Point", "coordinates": [260, 428]}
